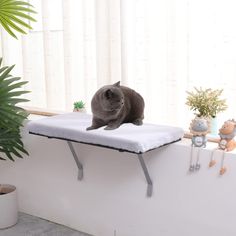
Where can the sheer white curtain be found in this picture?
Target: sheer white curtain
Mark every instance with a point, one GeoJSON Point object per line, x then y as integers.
{"type": "Point", "coordinates": [161, 48]}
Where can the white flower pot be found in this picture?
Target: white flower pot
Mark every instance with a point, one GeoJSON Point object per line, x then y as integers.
{"type": "Point", "coordinates": [8, 206]}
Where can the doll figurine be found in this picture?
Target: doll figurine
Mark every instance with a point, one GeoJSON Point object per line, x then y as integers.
{"type": "Point", "coordinates": [226, 142]}
{"type": "Point", "coordinates": [199, 128]}
{"type": "Point", "coordinates": [227, 133]}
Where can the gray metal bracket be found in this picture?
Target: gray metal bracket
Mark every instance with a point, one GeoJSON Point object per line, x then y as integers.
{"type": "Point", "coordinates": [147, 176]}
{"type": "Point", "coordinates": [78, 163]}
{"type": "Point", "coordinates": [141, 160]}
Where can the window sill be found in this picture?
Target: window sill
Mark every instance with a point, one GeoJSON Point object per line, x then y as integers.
{"type": "Point", "coordinates": [42, 111]}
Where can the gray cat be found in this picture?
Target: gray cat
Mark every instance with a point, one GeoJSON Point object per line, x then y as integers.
{"type": "Point", "coordinates": [113, 105]}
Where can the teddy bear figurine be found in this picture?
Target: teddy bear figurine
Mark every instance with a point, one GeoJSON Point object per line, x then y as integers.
{"type": "Point", "coordinates": [227, 133]}
{"type": "Point", "coordinates": [199, 128]}
{"type": "Point", "coordinates": [226, 142]}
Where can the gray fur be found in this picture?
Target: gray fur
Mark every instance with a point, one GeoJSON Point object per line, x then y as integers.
{"type": "Point", "coordinates": [113, 105]}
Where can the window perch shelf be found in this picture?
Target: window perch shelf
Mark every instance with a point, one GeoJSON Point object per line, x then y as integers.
{"type": "Point", "coordinates": [138, 140]}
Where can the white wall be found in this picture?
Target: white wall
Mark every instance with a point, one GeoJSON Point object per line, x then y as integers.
{"type": "Point", "coordinates": [111, 199]}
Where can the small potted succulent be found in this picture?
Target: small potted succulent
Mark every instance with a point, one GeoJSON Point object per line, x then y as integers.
{"type": "Point", "coordinates": [206, 103]}
{"type": "Point", "coordinates": [79, 106]}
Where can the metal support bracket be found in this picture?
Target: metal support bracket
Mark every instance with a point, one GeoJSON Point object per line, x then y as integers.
{"type": "Point", "coordinates": [78, 163]}
{"type": "Point", "coordinates": [147, 176]}
{"type": "Point", "coordinates": [141, 160]}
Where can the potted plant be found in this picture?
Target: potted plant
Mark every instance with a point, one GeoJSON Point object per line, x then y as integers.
{"type": "Point", "coordinates": [206, 103]}
{"type": "Point", "coordinates": [12, 16]}
{"type": "Point", "coordinates": [12, 116]}
{"type": "Point", "coordinates": [8, 206]}
{"type": "Point", "coordinates": [11, 146]}
{"type": "Point", "coordinates": [79, 106]}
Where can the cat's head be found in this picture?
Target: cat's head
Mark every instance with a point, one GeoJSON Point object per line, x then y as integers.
{"type": "Point", "coordinates": [112, 97]}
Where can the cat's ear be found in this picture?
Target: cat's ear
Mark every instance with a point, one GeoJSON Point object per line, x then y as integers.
{"type": "Point", "coordinates": [108, 93]}
{"type": "Point", "coordinates": [117, 84]}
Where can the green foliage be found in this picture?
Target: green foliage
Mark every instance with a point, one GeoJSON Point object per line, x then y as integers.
{"type": "Point", "coordinates": [14, 15]}
{"type": "Point", "coordinates": [11, 116]}
{"type": "Point", "coordinates": [79, 105]}
{"type": "Point", "coordinates": [206, 102]}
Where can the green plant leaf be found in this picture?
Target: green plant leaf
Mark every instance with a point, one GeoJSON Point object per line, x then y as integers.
{"type": "Point", "coordinates": [10, 80]}
{"type": "Point", "coordinates": [6, 72]}
{"type": "Point", "coordinates": [17, 8]}
{"type": "Point", "coordinates": [14, 101]}
{"type": "Point", "coordinates": [22, 15]}
{"type": "Point", "coordinates": [11, 24]}
{"type": "Point", "coordinates": [15, 19]}
{"type": "Point", "coordinates": [7, 3]}
{"type": "Point", "coordinates": [12, 116]}
{"type": "Point", "coordinates": [11, 87]}
{"type": "Point", "coordinates": [3, 68]}
{"type": "Point", "coordinates": [7, 28]}
{"type": "Point", "coordinates": [14, 15]}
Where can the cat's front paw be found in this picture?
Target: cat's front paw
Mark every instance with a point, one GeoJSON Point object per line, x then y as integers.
{"type": "Point", "coordinates": [111, 127]}
{"type": "Point", "coordinates": [138, 122]}
{"type": "Point", "coordinates": [90, 128]}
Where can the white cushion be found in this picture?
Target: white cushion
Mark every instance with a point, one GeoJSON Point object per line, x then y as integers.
{"type": "Point", "coordinates": [128, 137]}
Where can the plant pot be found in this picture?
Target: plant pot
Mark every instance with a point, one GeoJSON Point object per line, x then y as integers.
{"type": "Point", "coordinates": [214, 126]}
{"type": "Point", "coordinates": [8, 206]}
{"type": "Point", "coordinates": [79, 110]}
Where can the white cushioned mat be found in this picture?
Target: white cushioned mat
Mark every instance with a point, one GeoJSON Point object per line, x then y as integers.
{"type": "Point", "coordinates": [128, 137]}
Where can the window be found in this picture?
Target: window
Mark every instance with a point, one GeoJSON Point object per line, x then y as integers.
{"type": "Point", "coordinates": [161, 48]}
